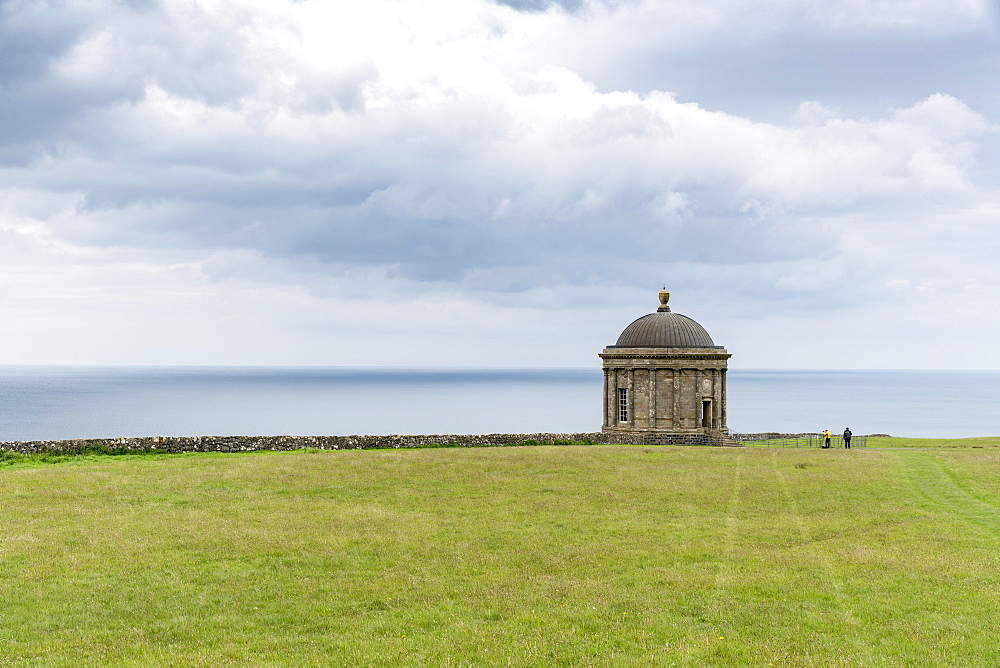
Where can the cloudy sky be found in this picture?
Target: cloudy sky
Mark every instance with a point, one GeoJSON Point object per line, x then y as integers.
{"type": "Point", "coordinates": [498, 184]}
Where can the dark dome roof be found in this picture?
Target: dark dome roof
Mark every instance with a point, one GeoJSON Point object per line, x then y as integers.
{"type": "Point", "coordinates": [665, 329]}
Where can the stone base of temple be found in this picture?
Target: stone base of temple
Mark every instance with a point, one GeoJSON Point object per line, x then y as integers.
{"type": "Point", "coordinates": [706, 437]}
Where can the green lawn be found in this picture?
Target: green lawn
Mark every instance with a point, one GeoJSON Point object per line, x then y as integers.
{"type": "Point", "coordinates": [558, 555]}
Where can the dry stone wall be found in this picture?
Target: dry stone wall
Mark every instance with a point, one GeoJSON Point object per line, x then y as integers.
{"type": "Point", "coordinates": [253, 443]}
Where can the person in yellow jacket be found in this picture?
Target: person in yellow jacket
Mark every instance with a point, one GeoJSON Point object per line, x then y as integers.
{"type": "Point", "coordinates": [826, 437]}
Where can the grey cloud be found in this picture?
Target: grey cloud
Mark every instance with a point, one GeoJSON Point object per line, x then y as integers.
{"type": "Point", "coordinates": [541, 5]}
{"type": "Point", "coordinates": [122, 49]}
{"type": "Point", "coordinates": [351, 227]}
{"type": "Point", "coordinates": [760, 60]}
{"type": "Point", "coordinates": [768, 79]}
{"type": "Point", "coordinates": [433, 224]}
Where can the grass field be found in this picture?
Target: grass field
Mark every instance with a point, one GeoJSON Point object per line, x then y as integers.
{"type": "Point", "coordinates": [560, 555]}
{"type": "Point", "coordinates": [981, 442]}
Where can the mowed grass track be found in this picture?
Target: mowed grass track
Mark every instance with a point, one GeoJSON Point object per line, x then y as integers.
{"type": "Point", "coordinates": [573, 555]}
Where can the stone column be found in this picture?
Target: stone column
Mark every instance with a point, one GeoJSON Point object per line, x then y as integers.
{"type": "Point", "coordinates": [724, 426]}
{"type": "Point", "coordinates": [616, 382]}
{"type": "Point", "coordinates": [612, 398]}
{"type": "Point", "coordinates": [699, 399]}
{"type": "Point", "coordinates": [716, 399]}
{"type": "Point", "coordinates": [675, 415]}
{"type": "Point", "coordinates": [651, 375]}
{"type": "Point", "coordinates": [631, 397]}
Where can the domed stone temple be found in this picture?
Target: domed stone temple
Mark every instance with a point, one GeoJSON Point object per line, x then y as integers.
{"type": "Point", "coordinates": [665, 382]}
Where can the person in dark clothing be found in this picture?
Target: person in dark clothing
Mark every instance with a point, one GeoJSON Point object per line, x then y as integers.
{"type": "Point", "coordinates": [847, 437]}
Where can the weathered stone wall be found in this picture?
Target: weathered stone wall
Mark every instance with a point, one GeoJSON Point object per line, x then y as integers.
{"type": "Point", "coordinates": [251, 443]}
{"type": "Point", "coordinates": [661, 438]}
{"type": "Point", "coordinates": [667, 388]}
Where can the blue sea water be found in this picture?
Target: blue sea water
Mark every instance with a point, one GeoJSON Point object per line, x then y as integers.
{"type": "Point", "coordinates": [89, 402]}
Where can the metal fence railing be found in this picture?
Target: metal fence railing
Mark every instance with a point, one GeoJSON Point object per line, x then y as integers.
{"type": "Point", "coordinates": [776, 440]}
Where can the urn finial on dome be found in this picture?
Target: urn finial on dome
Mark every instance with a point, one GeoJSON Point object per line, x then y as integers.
{"type": "Point", "coordinates": [664, 298]}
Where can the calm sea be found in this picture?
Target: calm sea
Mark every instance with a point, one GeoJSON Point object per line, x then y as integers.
{"type": "Point", "coordinates": [87, 402]}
